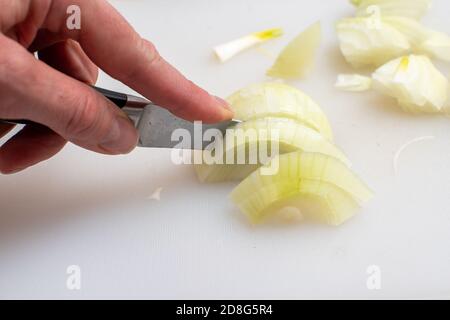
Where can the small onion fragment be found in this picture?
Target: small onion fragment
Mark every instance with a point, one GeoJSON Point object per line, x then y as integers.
{"type": "Point", "coordinates": [228, 50]}
{"type": "Point", "coordinates": [297, 58]}
{"type": "Point", "coordinates": [405, 146]}
{"type": "Point", "coordinates": [353, 82]}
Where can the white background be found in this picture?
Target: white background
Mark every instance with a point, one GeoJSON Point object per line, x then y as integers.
{"type": "Point", "coordinates": [91, 210]}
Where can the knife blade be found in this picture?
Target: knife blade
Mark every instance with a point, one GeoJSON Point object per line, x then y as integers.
{"type": "Point", "coordinates": [158, 128]}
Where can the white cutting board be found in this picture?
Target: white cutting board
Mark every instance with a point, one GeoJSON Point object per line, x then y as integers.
{"type": "Point", "coordinates": [92, 211]}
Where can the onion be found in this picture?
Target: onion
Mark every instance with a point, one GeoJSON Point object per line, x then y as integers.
{"type": "Point", "coordinates": [353, 82]}
{"type": "Point", "coordinates": [305, 180]}
{"type": "Point", "coordinates": [415, 9]}
{"type": "Point", "coordinates": [297, 58]}
{"type": "Point", "coordinates": [291, 136]}
{"type": "Point", "coordinates": [272, 99]}
{"type": "Point", "coordinates": [228, 50]}
{"type": "Point", "coordinates": [414, 82]}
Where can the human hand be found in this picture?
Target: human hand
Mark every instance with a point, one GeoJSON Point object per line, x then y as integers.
{"type": "Point", "coordinates": [53, 90]}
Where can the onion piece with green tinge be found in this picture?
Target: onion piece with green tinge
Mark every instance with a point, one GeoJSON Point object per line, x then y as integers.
{"type": "Point", "coordinates": [228, 50]}
{"type": "Point", "coordinates": [414, 82]}
{"type": "Point", "coordinates": [297, 58]}
{"type": "Point", "coordinates": [303, 179]}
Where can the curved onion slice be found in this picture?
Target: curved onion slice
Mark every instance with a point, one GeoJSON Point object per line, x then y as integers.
{"type": "Point", "coordinates": [292, 136]}
{"type": "Point", "coordinates": [370, 41]}
{"type": "Point", "coordinates": [415, 9]}
{"type": "Point", "coordinates": [297, 57]}
{"type": "Point", "coordinates": [279, 100]}
{"type": "Point", "coordinates": [228, 50]}
{"type": "Point", "coordinates": [414, 82]}
{"type": "Point", "coordinates": [353, 82]}
{"type": "Point", "coordinates": [305, 177]}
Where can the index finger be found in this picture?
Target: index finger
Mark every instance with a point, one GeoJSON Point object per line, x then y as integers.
{"type": "Point", "coordinates": [114, 46]}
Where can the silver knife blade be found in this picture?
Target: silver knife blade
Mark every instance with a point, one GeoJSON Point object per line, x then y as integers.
{"type": "Point", "coordinates": [156, 126]}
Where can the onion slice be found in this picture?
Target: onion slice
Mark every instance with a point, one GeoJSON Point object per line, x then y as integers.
{"type": "Point", "coordinates": [369, 41]}
{"type": "Point", "coordinates": [272, 99]}
{"type": "Point", "coordinates": [297, 58]}
{"type": "Point", "coordinates": [291, 136]}
{"type": "Point", "coordinates": [311, 179]}
{"type": "Point", "coordinates": [422, 39]}
{"type": "Point", "coordinates": [228, 50]}
{"type": "Point", "coordinates": [405, 146]}
{"type": "Point", "coordinates": [414, 82]}
{"type": "Point", "coordinates": [353, 82]}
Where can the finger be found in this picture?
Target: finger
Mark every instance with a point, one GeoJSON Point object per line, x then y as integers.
{"type": "Point", "coordinates": [32, 90]}
{"type": "Point", "coordinates": [30, 146]}
{"type": "Point", "coordinates": [116, 48]}
{"type": "Point", "coordinates": [44, 39]}
{"type": "Point", "coordinates": [68, 57]}
{"type": "Point", "coordinates": [5, 128]}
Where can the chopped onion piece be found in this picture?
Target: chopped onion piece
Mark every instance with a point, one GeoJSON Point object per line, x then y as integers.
{"type": "Point", "coordinates": [272, 99]}
{"type": "Point", "coordinates": [415, 9]}
{"type": "Point", "coordinates": [297, 57]}
{"type": "Point", "coordinates": [370, 41]}
{"type": "Point", "coordinates": [292, 136]}
{"type": "Point", "coordinates": [414, 82]}
{"type": "Point", "coordinates": [228, 50]}
{"type": "Point", "coordinates": [353, 82]}
{"type": "Point", "coordinates": [156, 195]}
{"type": "Point", "coordinates": [311, 179]}
{"type": "Point", "coordinates": [422, 39]}
{"type": "Point", "coordinates": [405, 146]}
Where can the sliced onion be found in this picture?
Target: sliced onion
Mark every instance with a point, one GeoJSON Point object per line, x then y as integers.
{"type": "Point", "coordinates": [370, 41]}
{"type": "Point", "coordinates": [228, 50]}
{"type": "Point", "coordinates": [279, 100]}
{"type": "Point", "coordinates": [353, 82]}
{"type": "Point", "coordinates": [291, 136]}
{"type": "Point", "coordinates": [422, 39]}
{"type": "Point", "coordinates": [414, 82]}
{"type": "Point", "coordinates": [323, 180]}
{"type": "Point", "coordinates": [297, 58]}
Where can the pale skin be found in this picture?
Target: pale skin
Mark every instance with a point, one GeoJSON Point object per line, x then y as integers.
{"type": "Point", "coordinates": [53, 90]}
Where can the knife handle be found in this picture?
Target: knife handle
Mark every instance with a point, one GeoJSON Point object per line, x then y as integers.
{"type": "Point", "coordinates": [119, 99]}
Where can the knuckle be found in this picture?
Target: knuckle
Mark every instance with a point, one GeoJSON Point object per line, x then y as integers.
{"type": "Point", "coordinates": [144, 49]}
{"type": "Point", "coordinates": [13, 65]}
{"type": "Point", "coordinates": [83, 122]}
{"type": "Point", "coordinates": [150, 50]}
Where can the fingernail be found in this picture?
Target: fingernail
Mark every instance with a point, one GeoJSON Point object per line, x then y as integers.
{"type": "Point", "coordinates": [228, 111]}
{"type": "Point", "coordinates": [223, 103]}
{"type": "Point", "coordinates": [12, 171]}
{"type": "Point", "coordinates": [123, 137]}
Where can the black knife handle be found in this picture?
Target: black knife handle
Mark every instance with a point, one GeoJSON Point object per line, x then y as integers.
{"type": "Point", "coordinates": [119, 99]}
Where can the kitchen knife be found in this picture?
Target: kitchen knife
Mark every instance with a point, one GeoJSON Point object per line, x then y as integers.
{"type": "Point", "coordinates": [156, 125]}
